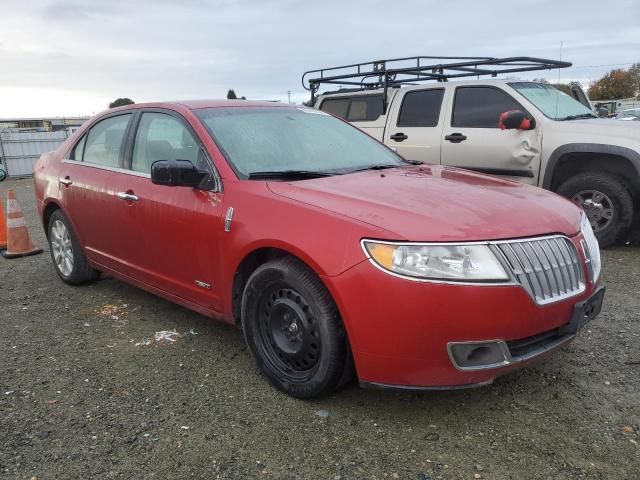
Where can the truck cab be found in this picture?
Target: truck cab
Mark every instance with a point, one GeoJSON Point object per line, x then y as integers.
{"type": "Point", "coordinates": [560, 144]}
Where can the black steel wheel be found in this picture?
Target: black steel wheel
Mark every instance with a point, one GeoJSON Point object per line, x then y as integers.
{"type": "Point", "coordinates": [293, 329]}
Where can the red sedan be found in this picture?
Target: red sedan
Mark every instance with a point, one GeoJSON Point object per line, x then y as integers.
{"type": "Point", "coordinates": [336, 256]}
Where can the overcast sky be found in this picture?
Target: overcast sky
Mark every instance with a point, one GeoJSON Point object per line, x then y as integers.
{"type": "Point", "coordinates": [68, 57]}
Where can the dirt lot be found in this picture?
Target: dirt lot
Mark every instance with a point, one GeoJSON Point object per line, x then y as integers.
{"type": "Point", "coordinates": [87, 392]}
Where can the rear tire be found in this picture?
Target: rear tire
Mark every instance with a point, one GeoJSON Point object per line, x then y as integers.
{"type": "Point", "coordinates": [68, 258]}
{"type": "Point", "coordinates": [293, 329]}
{"type": "Point", "coordinates": [607, 202]}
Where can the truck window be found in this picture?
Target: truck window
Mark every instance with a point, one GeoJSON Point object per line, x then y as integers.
{"type": "Point", "coordinates": [421, 108]}
{"type": "Point", "coordinates": [336, 106]}
{"type": "Point", "coordinates": [363, 108]}
{"type": "Point", "coordinates": [480, 107]}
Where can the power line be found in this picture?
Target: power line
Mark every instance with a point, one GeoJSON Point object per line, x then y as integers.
{"type": "Point", "coordinates": [603, 65]}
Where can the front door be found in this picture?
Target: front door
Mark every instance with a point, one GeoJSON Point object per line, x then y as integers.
{"type": "Point", "coordinates": [416, 129]}
{"type": "Point", "coordinates": [173, 232]}
{"type": "Point", "coordinates": [472, 139]}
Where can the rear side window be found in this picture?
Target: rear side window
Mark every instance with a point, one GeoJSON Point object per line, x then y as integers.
{"type": "Point", "coordinates": [480, 107]}
{"type": "Point", "coordinates": [78, 150]}
{"type": "Point", "coordinates": [421, 108]}
{"type": "Point", "coordinates": [162, 137]}
{"type": "Point", "coordinates": [363, 108]}
{"type": "Point", "coordinates": [104, 141]}
{"type": "Point", "coordinates": [337, 106]}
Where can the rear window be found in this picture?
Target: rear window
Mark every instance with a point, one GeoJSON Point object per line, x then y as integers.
{"type": "Point", "coordinates": [421, 108]}
{"type": "Point", "coordinates": [362, 108]}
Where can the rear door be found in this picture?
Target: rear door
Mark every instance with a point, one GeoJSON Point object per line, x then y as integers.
{"type": "Point", "coordinates": [88, 178]}
{"type": "Point", "coordinates": [416, 119]}
{"type": "Point", "coordinates": [173, 233]}
{"type": "Point", "coordinates": [472, 139]}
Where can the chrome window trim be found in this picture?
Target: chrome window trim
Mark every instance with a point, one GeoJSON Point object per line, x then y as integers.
{"type": "Point", "coordinates": [110, 169]}
{"type": "Point", "coordinates": [482, 283]}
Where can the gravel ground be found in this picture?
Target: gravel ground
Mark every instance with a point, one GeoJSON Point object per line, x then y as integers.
{"type": "Point", "coordinates": [87, 392]}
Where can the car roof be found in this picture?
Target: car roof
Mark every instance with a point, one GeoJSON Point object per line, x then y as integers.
{"type": "Point", "coordinates": [196, 104]}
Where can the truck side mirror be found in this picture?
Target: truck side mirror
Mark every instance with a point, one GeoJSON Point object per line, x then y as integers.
{"type": "Point", "coordinates": [515, 120]}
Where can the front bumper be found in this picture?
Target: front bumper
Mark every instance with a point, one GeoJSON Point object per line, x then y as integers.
{"type": "Point", "coordinates": [401, 331]}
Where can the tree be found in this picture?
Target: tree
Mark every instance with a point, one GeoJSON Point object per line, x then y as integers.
{"type": "Point", "coordinates": [119, 102]}
{"type": "Point", "coordinates": [541, 80]}
{"type": "Point", "coordinates": [231, 95]}
{"type": "Point", "coordinates": [616, 84]}
{"type": "Point", "coordinates": [634, 73]}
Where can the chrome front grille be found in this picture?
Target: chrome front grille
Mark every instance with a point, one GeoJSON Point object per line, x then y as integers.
{"type": "Point", "coordinates": [549, 268]}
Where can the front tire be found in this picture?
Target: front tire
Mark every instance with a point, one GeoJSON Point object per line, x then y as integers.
{"type": "Point", "coordinates": [293, 329]}
{"type": "Point", "coordinates": [606, 201]}
{"type": "Point", "coordinates": [68, 258]}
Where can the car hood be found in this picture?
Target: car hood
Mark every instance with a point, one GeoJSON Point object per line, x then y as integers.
{"type": "Point", "coordinates": [434, 203]}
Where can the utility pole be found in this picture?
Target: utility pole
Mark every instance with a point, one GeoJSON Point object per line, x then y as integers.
{"type": "Point", "coordinates": [289, 96]}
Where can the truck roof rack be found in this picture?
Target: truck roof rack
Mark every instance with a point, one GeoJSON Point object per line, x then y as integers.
{"type": "Point", "coordinates": [395, 72]}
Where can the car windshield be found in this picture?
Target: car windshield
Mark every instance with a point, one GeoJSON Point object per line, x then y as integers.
{"type": "Point", "coordinates": [552, 102]}
{"type": "Point", "coordinates": [257, 140]}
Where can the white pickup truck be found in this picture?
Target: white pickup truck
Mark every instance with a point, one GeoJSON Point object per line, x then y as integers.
{"type": "Point", "coordinates": [523, 130]}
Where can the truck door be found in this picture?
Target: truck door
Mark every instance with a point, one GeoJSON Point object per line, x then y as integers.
{"type": "Point", "coordinates": [415, 124]}
{"type": "Point", "coordinates": [472, 139]}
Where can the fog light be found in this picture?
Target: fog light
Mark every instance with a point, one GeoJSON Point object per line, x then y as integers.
{"type": "Point", "coordinates": [479, 355]}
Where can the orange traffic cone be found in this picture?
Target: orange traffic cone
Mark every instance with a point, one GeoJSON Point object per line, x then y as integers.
{"type": "Point", "coordinates": [3, 230]}
{"type": "Point", "coordinates": [19, 242]}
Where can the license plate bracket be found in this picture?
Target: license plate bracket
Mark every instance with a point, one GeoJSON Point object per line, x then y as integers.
{"type": "Point", "coordinates": [584, 312]}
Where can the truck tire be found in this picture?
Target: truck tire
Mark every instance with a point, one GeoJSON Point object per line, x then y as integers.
{"type": "Point", "coordinates": [607, 202]}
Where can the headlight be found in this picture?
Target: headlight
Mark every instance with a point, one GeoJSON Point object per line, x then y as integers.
{"type": "Point", "coordinates": [591, 249]}
{"type": "Point", "coordinates": [461, 263]}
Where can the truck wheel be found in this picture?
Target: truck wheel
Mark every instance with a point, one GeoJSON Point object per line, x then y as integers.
{"type": "Point", "coordinates": [68, 258]}
{"type": "Point", "coordinates": [293, 329]}
{"type": "Point", "coordinates": [606, 201]}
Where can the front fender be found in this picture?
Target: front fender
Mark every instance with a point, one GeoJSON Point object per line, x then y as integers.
{"type": "Point", "coordinates": [624, 152]}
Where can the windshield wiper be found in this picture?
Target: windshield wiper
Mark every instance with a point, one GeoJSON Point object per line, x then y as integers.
{"type": "Point", "coordinates": [576, 117]}
{"type": "Point", "coordinates": [374, 167]}
{"type": "Point", "coordinates": [288, 174]}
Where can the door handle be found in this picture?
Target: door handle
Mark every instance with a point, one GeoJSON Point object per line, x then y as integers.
{"type": "Point", "coordinates": [66, 181]}
{"type": "Point", "coordinates": [456, 137]}
{"type": "Point", "coordinates": [128, 197]}
{"type": "Point", "coordinates": [399, 137]}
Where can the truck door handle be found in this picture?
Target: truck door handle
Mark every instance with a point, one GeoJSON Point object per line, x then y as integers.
{"type": "Point", "coordinates": [399, 137]}
{"type": "Point", "coordinates": [127, 197]}
{"type": "Point", "coordinates": [456, 137]}
{"type": "Point", "coordinates": [66, 181]}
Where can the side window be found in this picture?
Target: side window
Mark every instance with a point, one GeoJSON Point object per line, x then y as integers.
{"type": "Point", "coordinates": [104, 141]}
{"type": "Point", "coordinates": [336, 106]}
{"type": "Point", "coordinates": [480, 107]}
{"type": "Point", "coordinates": [78, 150]}
{"type": "Point", "coordinates": [363, 108]}
{"type": "Point", "coordinates": [162, 137]}
{"type": "Point", "coordinates": [421, 108]}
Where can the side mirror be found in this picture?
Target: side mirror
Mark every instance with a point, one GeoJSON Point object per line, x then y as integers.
{"type": "Point", "coordinates": [177, 173]}
{"type": "Point", "coordinates": [515, 120]}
